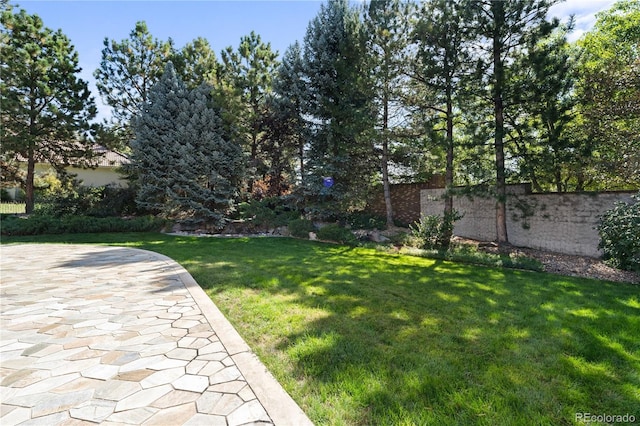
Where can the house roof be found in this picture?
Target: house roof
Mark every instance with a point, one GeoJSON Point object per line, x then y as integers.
{"type": "Point", "coordinates": [108, 158]}
{"type": "Point", "coordinates": [103, 157]}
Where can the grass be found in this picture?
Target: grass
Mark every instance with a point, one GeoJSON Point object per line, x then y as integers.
{"type": "Point", "coordinates": [360, 337]}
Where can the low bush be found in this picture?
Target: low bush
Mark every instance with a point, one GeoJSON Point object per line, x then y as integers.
{"type": "Point", "coordinates": [619, 230]}
{"type": "Point", "coordinates": [469, 254]}
{"type": "Point", "coordinates": [300, 228]}
{"type": "Point", "coordinates": [336, 233]}
{"type": "Point", "coordinates": [364, 220]}
{"type": "Point", "coordinates": [433, 232]}
{"type": "Point", "coordinates": [44, 224]}
{"type": "Point", "coordinates": [268, 213]}
{"type": "Point", "coordinates": [5, 197]}
{"type": "Point", "coordinates": [101, 201]}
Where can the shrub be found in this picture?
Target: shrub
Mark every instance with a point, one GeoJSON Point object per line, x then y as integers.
{"type": "Point", "coordinates": [471, 255]}
{"type": "Point", "coordinates": [364, 220]}
{"type": "Point", "coordinates": [433, 232]}
{"type": "Point", "coordinates": [115, 201]}
{"type": "Point", "coordinates": [44, 224]}
{"type": "Point", "coordinates": [300, 228]}
{"type": "Point", "coordinates": [269, 212]}
{"type": "Point", "coordinates": [335, 232]}
{"type": "Point", "coordinates": [619, 230]}
{"type": "Point", "coordinates": [100, 201]}
{"type": "Point", "coordinates": [5, 196]}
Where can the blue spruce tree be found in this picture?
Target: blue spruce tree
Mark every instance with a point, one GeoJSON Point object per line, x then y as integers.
{"type": "Point", "coordinates": [186, 171]}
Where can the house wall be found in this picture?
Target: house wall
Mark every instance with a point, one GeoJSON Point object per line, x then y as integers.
{"type": "Point", "coordinates": [100, 176]}
{"type": "Point", "coordinates": [559, 222]}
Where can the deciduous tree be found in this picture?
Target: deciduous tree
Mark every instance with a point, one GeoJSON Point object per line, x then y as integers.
{"type": "Point", "coordinates": [609, 96]}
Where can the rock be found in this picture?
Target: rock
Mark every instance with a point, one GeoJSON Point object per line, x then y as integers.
{"type": "Point", "coordinates": [377, 237]}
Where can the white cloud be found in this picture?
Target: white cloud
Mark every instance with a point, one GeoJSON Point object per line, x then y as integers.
{"type": "Point", "coordinates": [584, 12]}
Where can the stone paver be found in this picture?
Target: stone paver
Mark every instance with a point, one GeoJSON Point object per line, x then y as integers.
{"type": "Point", "coordinates": [122, 336]}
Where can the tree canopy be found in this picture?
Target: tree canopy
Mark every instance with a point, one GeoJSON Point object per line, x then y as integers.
{"type": "Point", "coordinates": [46, 107]}
{"type": "Point", "coordinates": [339, 108]}
{"type": "Point", "coordinates": [186, 170]}
{"type": "Point", "coordinates": [487, 92]}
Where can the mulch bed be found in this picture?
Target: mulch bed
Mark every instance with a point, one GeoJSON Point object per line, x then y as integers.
{"type": "Point", "coordinates": [563, 264]}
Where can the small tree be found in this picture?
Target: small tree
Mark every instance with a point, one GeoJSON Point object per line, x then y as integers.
{"type": "Point", "coordinates": [186, 170]}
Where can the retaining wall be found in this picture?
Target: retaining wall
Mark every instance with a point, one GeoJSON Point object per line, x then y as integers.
{"type": "Point", "coordinates": [559, 222]}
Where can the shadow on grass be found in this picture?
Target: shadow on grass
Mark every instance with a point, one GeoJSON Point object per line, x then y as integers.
{"type": "Point", "coordinates": [360, 337]}
{"type": "Point", "coordinates": [400, 340]}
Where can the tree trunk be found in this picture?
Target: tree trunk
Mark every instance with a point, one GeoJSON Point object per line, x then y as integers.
{"type": "Point", "coordinates": [29, 187]}
{"type": "Point", "coordinates": [301, 155]}
{"type": "Point", "coordinates": [448, 174]}
{"type": "Point", "coordinates": [499, 80]}
{"type": "Point", "coordinates": [385, 163]}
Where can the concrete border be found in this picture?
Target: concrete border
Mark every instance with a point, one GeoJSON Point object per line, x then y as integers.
{"type": "Point", "coordinates": [279, 405]}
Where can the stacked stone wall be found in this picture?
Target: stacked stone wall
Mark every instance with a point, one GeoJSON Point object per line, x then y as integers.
{"type": "Point", "coordinates": [559, 222]}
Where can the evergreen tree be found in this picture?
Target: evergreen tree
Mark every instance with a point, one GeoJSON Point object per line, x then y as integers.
{"type": "Point", "coordinates": [289, 86]}
{"type": "Point", "coordinates": [246, 79]}
{"type": "Point", "coordinates": [503, 29]}
{"type": "Point", "coordinates": [284, 125]}
{"type": "Point", "coordinates": [196, 63]}
{"type": "Point", "coordinates": [542, 113]}
{"type": "Point", "coordinates": [387, 24]}
{"type": "Point", "coordinates": [45, 106]}
{"type": "Point", "coordinates": [127, 72]}
{"type": "Point", "coordinates": [443, 66]}
{"type": "Point", "coordinates": [339, 108]}
{"type": "Point", "coordinates": [186, 171]}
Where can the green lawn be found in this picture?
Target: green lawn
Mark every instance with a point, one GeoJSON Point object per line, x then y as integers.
{"type": "Point", "coordinates": [359, 337]}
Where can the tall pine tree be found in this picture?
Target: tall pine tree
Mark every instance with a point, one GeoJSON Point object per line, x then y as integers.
{"type": "Point", "coordinates": [388, 29]}
{"type": "Point", "coordinates": [339, 108]}
{"type": "Point", "coordinates": [504, 28]}
{"type": "Point", "coordinates": [45, 106]}
{"type": "Point", "coordinates": [186, 170]}
{"type": "Point", "coordinates": [127, 72]}
{"type": "Point", "coordinates": [443, 67]}
{"type": "Point", "coordinates": [245, 84]}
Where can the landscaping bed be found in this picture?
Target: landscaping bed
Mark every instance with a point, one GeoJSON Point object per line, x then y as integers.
{"type": "Point", "coordinates": [559, 263]}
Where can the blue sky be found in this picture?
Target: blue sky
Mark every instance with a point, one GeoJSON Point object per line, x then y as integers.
{"type": "Point", "coordinates": [222, 23]}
